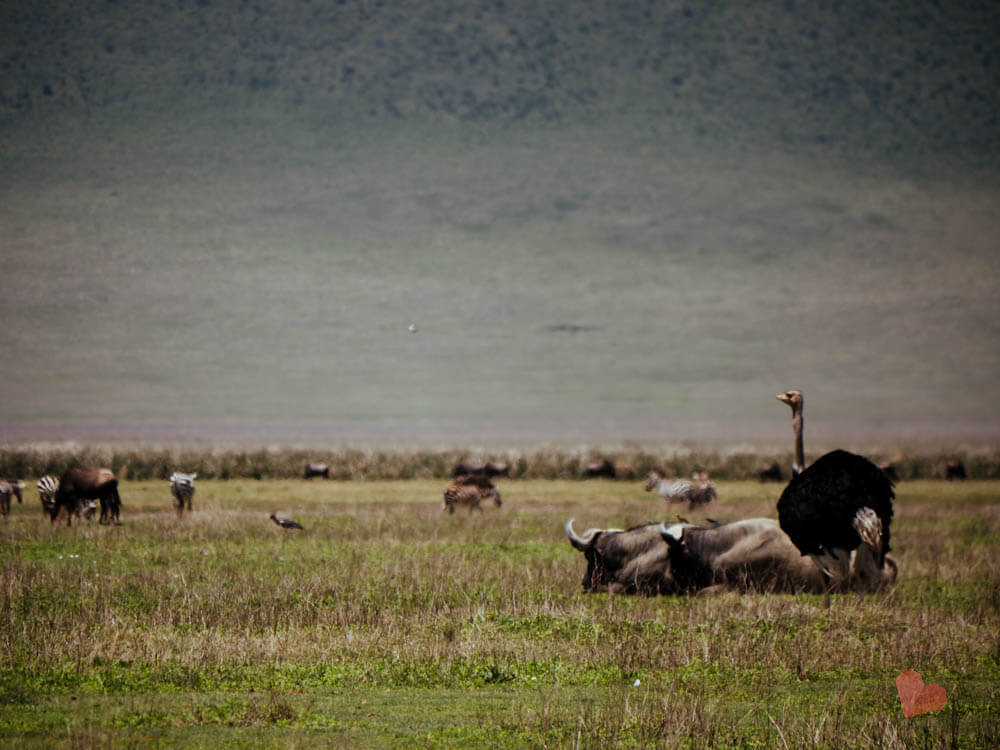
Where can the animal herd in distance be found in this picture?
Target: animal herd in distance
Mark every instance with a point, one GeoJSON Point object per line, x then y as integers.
{"type": "Point", "coordinates": [832, 532]}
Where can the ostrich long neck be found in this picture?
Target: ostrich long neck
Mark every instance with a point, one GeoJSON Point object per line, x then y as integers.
{"type": "Point", "coordinates": [799, 462]}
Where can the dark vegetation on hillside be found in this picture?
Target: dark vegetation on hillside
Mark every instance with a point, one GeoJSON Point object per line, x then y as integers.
{"type": "Point", "coordinates": [876, 77]}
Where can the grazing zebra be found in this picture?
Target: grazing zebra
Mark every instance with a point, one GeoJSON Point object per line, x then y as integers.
{"type": "Point", "coordinates": [182, 488]}
{"type": "Point", "coordinates": [681, 490]}
{"type": "Point", "coordinates": [47, 488]}
{"type": "Point", "coordinates": [6, 490]}
{"type": "Point", "coordinates": [471, 494]}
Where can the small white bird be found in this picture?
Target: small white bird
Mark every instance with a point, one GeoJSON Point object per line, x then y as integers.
{"type": "Point", "coordinates": [636, 683]}
{"type": "Point", "coordinates": [412, 328]}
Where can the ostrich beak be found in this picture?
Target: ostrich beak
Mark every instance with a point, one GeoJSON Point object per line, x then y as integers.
{"type": "Point", "coordinates": [783, 398]}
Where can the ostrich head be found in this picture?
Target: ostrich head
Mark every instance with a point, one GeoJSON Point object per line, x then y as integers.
{"type": "Point", "coordinates": [793, 398]}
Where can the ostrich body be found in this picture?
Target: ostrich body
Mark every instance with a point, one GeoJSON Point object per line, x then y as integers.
{"type": "Point", "coordinates": [841, 503]}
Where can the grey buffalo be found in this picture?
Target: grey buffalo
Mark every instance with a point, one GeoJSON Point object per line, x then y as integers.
{"type": "Point", "coordinates": [752, 555]}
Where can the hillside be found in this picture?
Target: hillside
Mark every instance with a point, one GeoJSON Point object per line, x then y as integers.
{"type": "Point", "coordinates": [896, 76]}
{"type": "Point", "coordinates": [616, 220]}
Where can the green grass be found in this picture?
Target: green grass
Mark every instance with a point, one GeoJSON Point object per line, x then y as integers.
{"type": "Point", "coordinates": [387, 623]}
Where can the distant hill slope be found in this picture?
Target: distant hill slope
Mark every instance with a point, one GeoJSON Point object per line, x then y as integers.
{"type": "Point", "coordinates": [874, 77]}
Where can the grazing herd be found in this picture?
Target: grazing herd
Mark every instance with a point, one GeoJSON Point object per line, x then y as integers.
{"type": "Point", "coordinates": [832, 533]}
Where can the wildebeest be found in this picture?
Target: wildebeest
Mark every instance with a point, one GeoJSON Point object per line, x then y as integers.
{"type": "Point", "coordinates": [695, 493]}
{"type": "Point", "coordinates": [955, 470]}
{"type": "Point", "coordinates": [47, 487]}
{"type": "Point", "coordinates": [76, 485]}
{"type": "Point", "coordinates": [470, 490]}
{"type": "Point", "coordinates": [7, 489]}
{"type": "Point", "coordinates": [602, 469]}
{"type": "Point", "coordinates": [316, 470]}
{"type": "Point", "coordinates": [182, 490]}
{"type": "Point", "coordinates": [770, 472]}
{"type": "Point", "coordinates": [753, 555]}
{"type": "Point", "coordinates": [889, 469]}
{"type": "Point", "coordinates": [488, 469]}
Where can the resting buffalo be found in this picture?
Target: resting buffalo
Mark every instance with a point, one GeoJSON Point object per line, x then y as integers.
{"type": "Point", "coordinates": [316, 470]}
{"type": "Point", "coordinates": [488, 469]}
{"type": "Point", "coordinates": [600, 469]}
{"type": "Point", "coordinates": [750, 555]}
{"type": "Point", "coordinates": [77, 485]}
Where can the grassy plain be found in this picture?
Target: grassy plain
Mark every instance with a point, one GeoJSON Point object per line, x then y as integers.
{"type": "Point", "coordinates": [387, 623]}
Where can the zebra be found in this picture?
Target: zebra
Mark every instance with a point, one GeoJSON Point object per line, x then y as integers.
{"type": "Point", "coordinates": [681, 490]}
{"type": "Point", "coordinates": [182, 488]}
{"type": "Point", "coordinates": [6, 490]}
{"type": "Point", "coordinates": [47, 488]}
{"type": "Point", "coordinates": [471, 494]}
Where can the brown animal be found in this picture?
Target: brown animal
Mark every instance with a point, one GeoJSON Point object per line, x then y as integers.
{"type": "Point", "coordinates": [316, 470]}
{"type": "Point", "coordinates": [77, 485]}
{"type": "Point", "coordinates": [955, 470]}
{"type": "Point", "coordinates": [469, 490]}
{"type": "Point", "coordinates": [488, 469]}
{"type": "Point", "coordinates": [602, 469]}
{"type": "Point", "coordinates": [753, 555]}
{"type": "Point", "coordinates": [698, 492]}
{"type": "Point", "coordinates": [7, 489]}
{"type": "Point", "coordinates": [770, 472]}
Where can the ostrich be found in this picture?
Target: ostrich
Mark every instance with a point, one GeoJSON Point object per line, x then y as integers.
{"type": "Point", "coordinates": [841, 503]}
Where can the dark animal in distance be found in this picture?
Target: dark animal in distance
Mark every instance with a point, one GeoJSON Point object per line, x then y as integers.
{"type": "Point", "coordinates": [9, 489]}
{"type": "Point", "coordinates": [47, 487]}
{"type": "Point", "coordinates": [182, 490]}
{"type": "Point", "coordinates": [698, 492]}
{"type": "Point", "coordinates": [770, 472]}
{"type": "Point", "coordinates": [470, 490]}
{"type": "Point", "coordinates": [752, 555]}
{"type": "Point", "coordinates": [285, 523]}
{"type": "Point", "coordinates": [955, 470]}
{"type": "Point", "coordinates": [889, 469]}
{"type": "Point", "coordinates": [602, 469]}
{"type": "Point", "coordinates": [840, 504]}
{"type": "Point", "coordinates": [488, 469]}
{"type": "Point", "coordinates": [316, 470]}
{"type": "Point", "coordinates": [77, 485]}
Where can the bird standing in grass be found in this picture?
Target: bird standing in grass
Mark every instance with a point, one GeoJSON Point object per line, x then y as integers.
{"type": "Point", "coordinates": [839, 504]}
{"type": "Point", "coordinates": [285, 523]}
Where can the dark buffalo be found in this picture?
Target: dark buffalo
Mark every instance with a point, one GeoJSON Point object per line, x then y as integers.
{"type": "Point", "coordinates": [750, 555]}
{"type": "Point", "coordinates": [488, 469]}
{"type": "Point", "coordinates": [955, 470]}
{"type": "Point", "coordinates": [770, 472]}
{"type": "Point", "coordinates": [889, 469]}
{"type": "Point", "coordinates": [602, 469]}
{"type": "Point", "coordinates": [77, 485]}
{"type": "Point", "coordinates": [316, 470]}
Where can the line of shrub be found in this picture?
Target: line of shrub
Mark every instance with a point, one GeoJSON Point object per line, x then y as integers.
{"type": "Point", "coordinates": [542, 463]}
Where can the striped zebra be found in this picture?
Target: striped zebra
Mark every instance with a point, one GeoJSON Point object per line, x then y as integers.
{"type": "Point", "coordinates": [681, 490]}
{"type": "Point", "coordinates": [47, 488]}
{"type": "Point", "coordinates": [469, 491]}
{"type": "Point", "coordinates": [182, 488]}
{"type": "Point", "coordinates": [6, 490]}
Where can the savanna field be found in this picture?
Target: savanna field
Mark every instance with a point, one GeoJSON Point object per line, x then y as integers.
{"type": "Point", "coordinates": [385, 622]}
